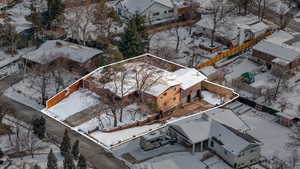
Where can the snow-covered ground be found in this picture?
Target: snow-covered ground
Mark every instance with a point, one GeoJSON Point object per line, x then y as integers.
{"type": "Point", "coordinates": [186, 46]}
{"type": "Point", "coordinates": [182, 160]}
{"type": "Point", "coordinates": [7, 144]}
{"type": "Point", "coordinates": [83, 99]}
{"type": "Point", "coordinates": [105, 121]}
{"type": "Point", "coordinates": [28, 90]}
{"type": "Point", "coordinates": [18, 14]}
{"type": "Point", "coordinates": [273, 136]}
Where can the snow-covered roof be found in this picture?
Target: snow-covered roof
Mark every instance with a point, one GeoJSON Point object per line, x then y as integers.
{"type": "Point", "coordinates": [140, 6]}
{"type": "Point", "coordinates": [227, 117]}
{"type": "Point", "coordinates": [52, 49]}
{"type": "Point", "coordinates": [208, 70]}
{"type": "Point", "coordinates": [232, 140]}
{"type": "Point", "coordinates": [276, 45]}
{"type": "Point", "coordinates": [195, 129]}
{"type": "Point", "coordinates": [188, 77]}
{"type": "Point", "coordinates": [159, 79]}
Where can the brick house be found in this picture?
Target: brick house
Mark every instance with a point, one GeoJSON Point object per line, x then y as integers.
{"type": "Point", "coordinates": [280, 49]}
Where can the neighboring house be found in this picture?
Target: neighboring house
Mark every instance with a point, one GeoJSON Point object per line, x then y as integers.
{"type": "Point", "coordinates": [194, 131]}
{"type": "Point", "coordinates": [5, 1]}
{"type": "Point", "coordinates": [280, 49]}
{"type": "Point", "coordinates": [237, 149]}
{"type": "Point", "coordinates": [75, 58]}
{"type": "Point", "coordinates": [233, 31]}
{"type": "Point", "coordinates": [153, 10]}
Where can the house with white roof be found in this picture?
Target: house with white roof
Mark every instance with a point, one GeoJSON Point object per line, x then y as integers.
{"type": "Point", "coordinates": [280, 49]}
{"type": "Point", "coordinates": [238, 149]}
{"type": "Point", "coordinates": [153, 10]}
{"type": "Point", "coordinates": [194, 131]}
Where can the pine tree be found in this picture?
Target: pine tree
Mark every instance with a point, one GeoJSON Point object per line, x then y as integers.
{"type": "Point", "coordinates": [36, 19]}
{"type": "Point", "coordinates": [75, 150]}
{"type": "Point", "coordinates": [55, 9]}
{"type": "Point", "coordinates": [81, 162]}
{"type": "Point", "coordinates": [36, 166]}
{"type": "Point", "coordinates": [65, 145]}
{"type": "Point", "coordinates": [1, 153]}
{"type": "Point", "coordinates": [52, 161]}
{"type": "Point", "coordinates": [69, 161]}
{"type": "Point", "coordinates": [39, 127]}
{"type": "Point", "coordinates": [134, 40]}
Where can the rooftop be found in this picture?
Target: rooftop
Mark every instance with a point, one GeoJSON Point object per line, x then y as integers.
{"type": "Point", "coordinates": [282, 45]}
{"type": "Point", "coordinates": [232, 140]}
{"type": "Point", "coordinates": [140, 6]}
{"type": "Point", "coordinates": [53, 49]}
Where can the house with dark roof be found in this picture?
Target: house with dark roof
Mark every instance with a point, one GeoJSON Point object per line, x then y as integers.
{"type": "Point", "coordinates": [73, 57]}
{"type": "Point", "coordinates": [236, 148]}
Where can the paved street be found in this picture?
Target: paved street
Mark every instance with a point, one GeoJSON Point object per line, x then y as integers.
{"type": "Point", "coordinates": [93, 152]}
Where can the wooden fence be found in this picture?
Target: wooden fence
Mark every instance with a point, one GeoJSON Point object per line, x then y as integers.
{"type": "Point", "coordinates": [232, 51]}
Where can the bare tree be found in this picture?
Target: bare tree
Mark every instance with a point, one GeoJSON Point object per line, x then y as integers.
{"type": "Point", "coordinates": [5, 108]}
{"type": "Point", "coordinates": [145, 78]}
{"type": "Point", "coordinates": [104, 18]}
{"type": "Point", "coordinates": [283, 77]}
{"type": "Point", "coordinates": [78, 23]}
{"type": "Point", "coordinates": [217, 9]}
{"type": "Point", "coordinates": [294, 136]}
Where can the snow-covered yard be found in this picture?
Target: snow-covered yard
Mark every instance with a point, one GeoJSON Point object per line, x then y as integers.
{"type": "Point", "coordinates": [186, 46]}
{"type": "Point", "coordinates": [8, 143]}
{"type": "Point", "coordinates": [273, 136]}
{"type": "Point", "coordinates": [182, 160]}
{"type": "Point", "coordinates": [28, 90]}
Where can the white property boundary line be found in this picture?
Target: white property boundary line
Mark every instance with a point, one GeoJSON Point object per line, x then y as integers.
{"type": "Point", "coordinates": [109, 148]}
{"type": "Point", "coordinates": [126, 60]}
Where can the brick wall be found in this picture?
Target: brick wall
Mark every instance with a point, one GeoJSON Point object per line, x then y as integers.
{"type": "Point", "coordinates": [169, 99]}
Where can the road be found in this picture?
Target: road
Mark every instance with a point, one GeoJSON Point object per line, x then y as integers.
{"type": "Point", "coordinates": [95, 154]}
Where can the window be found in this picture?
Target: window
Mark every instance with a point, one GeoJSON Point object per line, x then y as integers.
{"type": "Point", "coordinates": [174, 98]}
{"type": "Point", "coordinates": [165, 94]}
{"type": "Point", "coordinates": [212, 143]}
{"type": "Point", "coordinates": [174, 88]}
{"type": "Point", "coordinates": [251, 151]}
{"type": "Point", "coordinates": [156, 14]}
{"type": "Point", "coordinates": [165, 11]}
{"type": "Point", "coordinates": [171, 11]}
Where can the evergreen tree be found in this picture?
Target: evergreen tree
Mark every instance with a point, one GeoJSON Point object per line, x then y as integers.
{"type": "Point", "coordinates": [75, 150]}
{"type": "Point", "coordinates": [65, 145]}
{"type": "Point", "coordinates": [55, 9]}
{"type": "Point", "coordinates": [69, 161]}
{"type": "Point", "coordinates": [52, 161]}
{"type": "Point", "coordinates": [36, 19]}
{"type": "Point", "coordinates": [36, 166]}
{"type": "Point", "coordinates": [134, 40]}
{"type": "Point", "coordinates": [1, 153]}
{"type": "Point", "coordinates": [9, 36]}
{"type": "Point", "coordinates": [39, 127]}
{"type": "Point", "coordinates": [81, 162]}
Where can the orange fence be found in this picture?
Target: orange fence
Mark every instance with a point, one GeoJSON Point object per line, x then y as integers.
{"type": "Point", "coordinates": [65, 93]}
{"type": "Point", "coordinates": [232, 51]}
